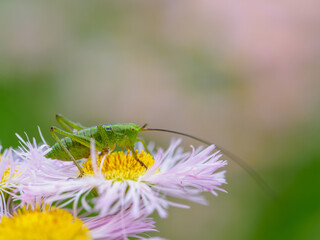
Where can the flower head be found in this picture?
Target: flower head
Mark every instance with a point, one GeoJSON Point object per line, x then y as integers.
{"type": "Point", "coordinates": [54, 223]}
{"type": "Point", "coordinates": [120, 183]}
{"type": "Point", "coordinates": [43, 224]}
{"type": "Point", "coordinates": [119, 166]}
{"type": "Point", "coordinates": [8, 180]}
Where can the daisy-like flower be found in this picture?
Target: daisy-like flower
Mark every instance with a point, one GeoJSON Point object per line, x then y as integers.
{"type": "Point", "coordinates": [55, 224]}
{"type": "Point", "coordinates": [118, 182]}
{"type": "Point", "coordinates": [8, 175]}
{"type": "Point", "coordinates": [35, 169]}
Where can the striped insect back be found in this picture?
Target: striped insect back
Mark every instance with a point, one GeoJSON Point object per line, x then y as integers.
{"type": "Point", "coordinates": [88, 132]}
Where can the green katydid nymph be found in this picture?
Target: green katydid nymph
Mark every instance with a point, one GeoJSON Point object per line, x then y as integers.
{"type": "Point", "coordinates": [77, 143]}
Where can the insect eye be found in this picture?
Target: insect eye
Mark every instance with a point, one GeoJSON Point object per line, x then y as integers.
{"type": "Point", "coordinates": [132, 129]}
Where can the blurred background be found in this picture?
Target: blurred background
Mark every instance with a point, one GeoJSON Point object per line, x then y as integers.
{"type": "Point", "coordinates": [242, 74]}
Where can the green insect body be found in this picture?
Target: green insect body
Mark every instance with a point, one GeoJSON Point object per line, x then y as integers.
{"type": "Point", "coordinates": [122, 135]}
{"type": "Point", "coordinates": [78, 139]}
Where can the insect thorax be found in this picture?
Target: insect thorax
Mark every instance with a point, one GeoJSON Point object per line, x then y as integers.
{"type": "Point", "coordinates": [123, 135]}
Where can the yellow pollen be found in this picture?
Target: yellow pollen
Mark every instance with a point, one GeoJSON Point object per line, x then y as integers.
{"type": "Point", "coordinates": [53, 224]}
{"type": "Point", "coordinates": [120, 166]}
{"type": "Point", "coordinates": [6, 174]}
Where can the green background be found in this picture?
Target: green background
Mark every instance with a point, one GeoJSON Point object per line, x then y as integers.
{"type": "Point", "coordinates": [242, 75]}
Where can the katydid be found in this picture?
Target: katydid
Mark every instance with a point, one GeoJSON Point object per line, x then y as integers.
{"type": "Point", "coordinates": [77, 142]}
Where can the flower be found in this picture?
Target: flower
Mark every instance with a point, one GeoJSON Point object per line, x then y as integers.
{"type": "Point", "coordinates": [34, 166]}
{"type": "Point", "coordinates": [8, 176]}
{"type": "Point", "coordinates": [43, 224]}
{"type": "Point", "coordinates": [170, 173]}
{"type": "Point", "coordinates": [119, 226]}
{"type": "Point", "coordinates": [54, 223]}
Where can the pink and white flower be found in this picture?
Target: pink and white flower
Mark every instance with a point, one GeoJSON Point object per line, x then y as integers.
{"type": "Point", "coordinates": [45, 222]}
{"type": "Point", "coordinates": [172, 172]}
{"type": "Point", "coordinates": [8, 181]}
{"type": "Point", "coordinates": [119, 226]}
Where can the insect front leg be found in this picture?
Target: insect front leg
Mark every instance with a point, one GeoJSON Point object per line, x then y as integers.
{"type": "Point", "coordinates": [144, 144]}
{"type": "Point", "coordinates": [136, 157]}
{"type": "Point", "coordinates": [67, 124]}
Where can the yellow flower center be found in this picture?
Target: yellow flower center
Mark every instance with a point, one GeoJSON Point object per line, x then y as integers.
{"type": "Point", "coordinates": [6, 174]}
{"type": "Point", "coordinates": [53, 224]}
{"type": "Point", "coordinates": [120, 166]}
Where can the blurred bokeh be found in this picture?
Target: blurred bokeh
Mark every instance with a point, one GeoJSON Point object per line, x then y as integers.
{"type": "Point", "coordinates": [242, 74]}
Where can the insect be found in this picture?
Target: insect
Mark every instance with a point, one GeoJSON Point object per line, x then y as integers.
{"type": "Point", "coordinates": [77, 143]}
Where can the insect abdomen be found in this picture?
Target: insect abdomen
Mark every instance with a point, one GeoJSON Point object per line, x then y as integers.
{"type": "Point", "coordinates": [77, 150]}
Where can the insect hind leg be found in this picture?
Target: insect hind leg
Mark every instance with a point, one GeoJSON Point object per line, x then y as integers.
{"type": "Point", "coordinates": [85, 141]}
{"type": "Point", "coordinates": [67, 124]}
{"type": "Point", "coordinates": [54, 135]}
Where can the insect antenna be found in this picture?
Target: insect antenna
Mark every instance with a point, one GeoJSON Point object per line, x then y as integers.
{"type": "Point", "coordinates": [254, 174]}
